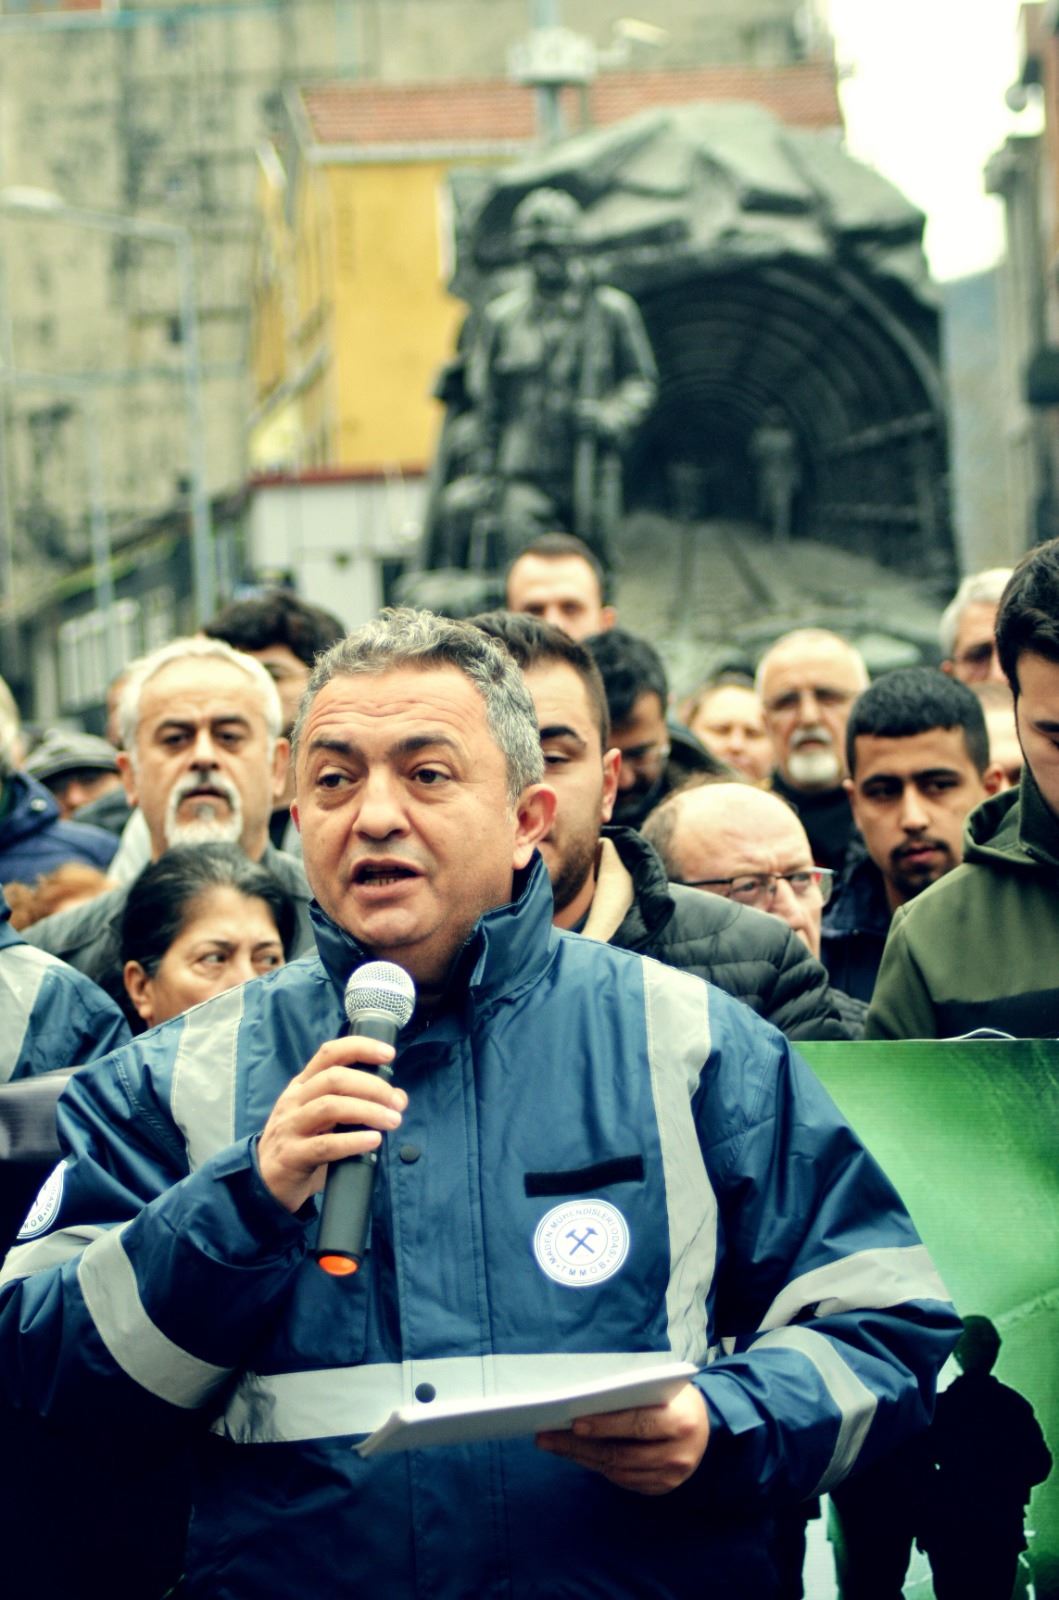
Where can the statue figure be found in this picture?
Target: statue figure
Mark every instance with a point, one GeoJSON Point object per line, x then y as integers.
{"type": "Point", "coordinates": [774, 453]}
{"type": "Point", "coordinates": [560, 374]}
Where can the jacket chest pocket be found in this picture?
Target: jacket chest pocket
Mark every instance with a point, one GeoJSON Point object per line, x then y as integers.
{"type": "Point", "coordinates": [598, 1249]}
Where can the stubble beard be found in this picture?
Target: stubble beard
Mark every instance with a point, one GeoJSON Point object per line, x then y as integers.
{"type": "Point", "coordinates": [569, 871]}
{"type": "Point", "coordinates": [910, 884]}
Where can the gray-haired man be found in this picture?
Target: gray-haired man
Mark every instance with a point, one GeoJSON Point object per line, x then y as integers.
{"type": "Point", "coordinates": [203, 759]}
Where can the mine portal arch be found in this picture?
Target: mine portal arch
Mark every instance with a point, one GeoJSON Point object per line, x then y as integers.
{"type": "Point", "coordinates": [854, 377]}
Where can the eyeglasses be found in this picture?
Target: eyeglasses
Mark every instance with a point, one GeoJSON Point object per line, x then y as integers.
{"type": "Point", "coordinates": [758, 889]}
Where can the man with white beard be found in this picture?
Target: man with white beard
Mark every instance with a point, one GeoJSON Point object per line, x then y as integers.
{"type": "Point", "coordinates": [204, 761]}
{"type": "Point", "coordinates": [808, 681]}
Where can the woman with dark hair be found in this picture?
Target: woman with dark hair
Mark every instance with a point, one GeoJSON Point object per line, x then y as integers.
{"type": "Point", "coordinates": [200, 920]}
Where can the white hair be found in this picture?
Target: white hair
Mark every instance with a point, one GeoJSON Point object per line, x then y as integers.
{"type": "Point", "coordinates": [140, 672]}
{"type": "Point", "coordinates": [978, 588]}
{"type": "Point", "coordinates": [809, 637]}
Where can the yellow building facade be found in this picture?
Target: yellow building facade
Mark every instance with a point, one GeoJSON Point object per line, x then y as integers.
{"type": "Point", "coordinates": [351, 315]}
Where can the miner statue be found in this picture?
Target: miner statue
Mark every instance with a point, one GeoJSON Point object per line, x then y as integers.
{"type": "Point", "coordinates": [560, 376]}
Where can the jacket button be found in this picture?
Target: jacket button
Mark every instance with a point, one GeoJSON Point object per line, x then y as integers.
{"type": "Point", "coordinates": [409, 1153]}
{"type": "Point", "coordinates": [425, 1391]}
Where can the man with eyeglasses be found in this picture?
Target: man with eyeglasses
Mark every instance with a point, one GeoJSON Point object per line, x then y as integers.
{"type": "Point", "coordinates": [967, 631]}
{"type": "Point", "coordinates": [748, 846]}
{"type": "Point", "coordinates": [808, 680]}
{"type": "Point", "coordinates": [918, 755]}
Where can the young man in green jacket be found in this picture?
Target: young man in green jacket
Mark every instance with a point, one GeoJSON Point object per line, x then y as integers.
{"type": "Point", "coordinates": [980, 948]}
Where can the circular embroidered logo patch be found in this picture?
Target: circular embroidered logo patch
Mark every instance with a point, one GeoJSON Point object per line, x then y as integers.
{"type": "Point", "coordinates": [581, 1243]}
{"type": "Point", "coordinates": [45, 1207]}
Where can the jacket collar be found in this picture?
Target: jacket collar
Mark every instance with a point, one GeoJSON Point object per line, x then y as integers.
{"type": "Point", "coordinates": [1038, 824]}
{"type": "Point", "coordinates": [860, 904]}
{"type": "Point", "coordinates": [1015, 828]}
{"type": "Point", "coordinates": [34, 807]}
{"type": "Point", "coordinates": [652, 905]}
{"type": "Point", "coordinates": [613, 897]}
{"type": "Point", "coordinates": [507, 949]}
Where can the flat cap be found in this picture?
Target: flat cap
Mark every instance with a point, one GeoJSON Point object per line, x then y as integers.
{"type": "Point", "coordinates": [61, 750]}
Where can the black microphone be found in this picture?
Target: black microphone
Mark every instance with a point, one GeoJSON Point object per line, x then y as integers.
{"type": "Point", "coordinates": [380, 998]}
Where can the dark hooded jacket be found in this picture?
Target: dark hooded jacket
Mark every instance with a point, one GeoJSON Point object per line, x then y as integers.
{"type": "Point", "coordinates": [749, 955]}
{"type": "Point", "coordinates": [856, 924]}
{"type": "Point", "coordinates": [980, 948]}
{"type": "Point", "coordinates": [34, 837]}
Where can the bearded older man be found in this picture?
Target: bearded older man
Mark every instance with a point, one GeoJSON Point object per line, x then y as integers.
{"type": "Point", "coordinates": [808, 681]}
{"type": "Point", "coordinates": [203, 759]}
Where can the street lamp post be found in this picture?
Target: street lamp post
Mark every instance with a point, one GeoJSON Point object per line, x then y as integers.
{"type": "Point", "coordinates": [43, 204]}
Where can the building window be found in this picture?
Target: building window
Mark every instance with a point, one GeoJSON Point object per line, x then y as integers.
{"type": "Point", "coordinates": [84, 670]}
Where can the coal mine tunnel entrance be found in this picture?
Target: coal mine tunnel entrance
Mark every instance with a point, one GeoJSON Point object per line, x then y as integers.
{"type": "Point", "coordinates": [835, 362]}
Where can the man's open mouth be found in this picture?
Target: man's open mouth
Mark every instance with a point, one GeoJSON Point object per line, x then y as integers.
{"type": "Point", "coordinates": [379, 873]}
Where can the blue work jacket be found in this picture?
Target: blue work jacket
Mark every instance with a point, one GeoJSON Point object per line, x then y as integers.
{"type": "Point", "coordinates": [565, 1087]}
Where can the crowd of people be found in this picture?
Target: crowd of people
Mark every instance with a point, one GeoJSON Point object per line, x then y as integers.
{"type": "Point", "coordinates": [515, 811]}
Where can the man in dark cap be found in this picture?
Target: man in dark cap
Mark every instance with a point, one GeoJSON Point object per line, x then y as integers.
{"type": "Point", "coordinates": [77, 767]}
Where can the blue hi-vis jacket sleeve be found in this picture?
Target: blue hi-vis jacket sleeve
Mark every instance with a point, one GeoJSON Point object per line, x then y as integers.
{"type": "Point", "coordinates": [51, 1016]}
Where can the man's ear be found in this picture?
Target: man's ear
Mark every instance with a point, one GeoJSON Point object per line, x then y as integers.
{"type": "Point", "coordinates": [608, 616]}
{"type": "Point", "coordinates": [128, 776]}
{"type": "Point", "coordinates": [280, 764]}
{"type": "Point", "coordinates": [611, 768]}
{"type": "Point", "coordinates": [948, 666]}
{"type": "Point", "coordinates": [993, 779]}
{"type": "Point", "coordinates": [533, 818]}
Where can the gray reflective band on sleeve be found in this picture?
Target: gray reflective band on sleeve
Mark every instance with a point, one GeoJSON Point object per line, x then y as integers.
{"type": "Point", "coordinates": [678, 1043]}
{"type": "Point", "coordinates": [869, 1279]}
{"type": "Point", "coordinates": [108, 1284]}
{"type": "Point", "coordinates": [22, 971]}
{"type": "Point", "coordinates": [854, 1401]}
{"type": "Point", "coordinates": [202, 1100]}
{"type": "Point", "coordinates": [340, 1401]}
{"type": "Point", "coordinates": [51, 1251]}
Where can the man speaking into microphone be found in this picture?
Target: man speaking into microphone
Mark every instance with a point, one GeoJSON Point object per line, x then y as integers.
{"type": "Point", "coordinates": [585, 1163]}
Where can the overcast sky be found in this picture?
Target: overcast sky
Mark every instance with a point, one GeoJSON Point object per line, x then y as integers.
{"type": "Point", "coordinates": [924, 103]}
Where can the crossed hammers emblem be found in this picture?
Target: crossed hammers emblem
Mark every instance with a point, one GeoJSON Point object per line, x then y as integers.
{"type": "Point", "coordinates": [581, 1241]}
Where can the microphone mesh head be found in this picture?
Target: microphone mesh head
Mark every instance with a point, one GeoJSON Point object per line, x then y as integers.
{"type": "Point", "coordinates": [381, 986]}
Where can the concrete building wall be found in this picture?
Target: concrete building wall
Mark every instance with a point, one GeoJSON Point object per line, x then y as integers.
{"type": "Point", "coordinates": [153, 117]}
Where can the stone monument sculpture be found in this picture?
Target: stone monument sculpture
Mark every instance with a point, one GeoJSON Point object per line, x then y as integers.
{"type": "Point", "coordinates": [560, 375]}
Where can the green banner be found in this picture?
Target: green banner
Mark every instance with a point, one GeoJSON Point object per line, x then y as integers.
{"type": "Point", "coordinates": [968, 1131]}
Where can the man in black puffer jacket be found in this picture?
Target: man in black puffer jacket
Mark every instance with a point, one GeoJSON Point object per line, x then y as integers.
{"type": "Point", "coordinates": [610, 884]}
